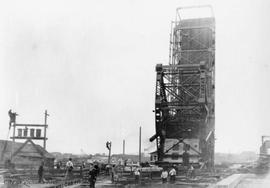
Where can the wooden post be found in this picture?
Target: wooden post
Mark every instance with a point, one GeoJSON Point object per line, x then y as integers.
{"type": "Point", "coordinates": [45, 129]}
{"type": "Point", "coordinates": [109, 158]}
{"type": "Point", "coordinates": [14, 128]}
{"type": "Point", "coordinates": [13, 141]}
{"type": "Point", "coordinates": [123, 148]}
{"type": "Point", "coordinates": [140, 137]}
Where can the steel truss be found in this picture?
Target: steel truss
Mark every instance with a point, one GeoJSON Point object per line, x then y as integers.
{"type": "Point", "coordinates": [184, 105]}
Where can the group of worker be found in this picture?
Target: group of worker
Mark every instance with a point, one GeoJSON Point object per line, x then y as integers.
{"type": "Point", "coordinates": [94, 171]}
{"type": "Point", "coordinates": [164, 175]}
{"type": "Point", "coordinates": [171, 175]}
{"type": "Point", "coordinates": [171, 172]}
{"type": "Point", "coordinates": [92, 174]}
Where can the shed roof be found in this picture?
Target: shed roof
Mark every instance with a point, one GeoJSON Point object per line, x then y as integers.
{"type": "Point", "coordinates": [28, 150]}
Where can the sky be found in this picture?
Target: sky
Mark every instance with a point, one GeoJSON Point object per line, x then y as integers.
{"type": "Point", "coordinates": [91, 64]}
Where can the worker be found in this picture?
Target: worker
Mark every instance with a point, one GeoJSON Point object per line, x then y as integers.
{"type": "Point", "coordinates": [69, 168]}
{"type": "Point", "coordinates": [137, 174]}
{"type": "Point", "coordinates": [58, 165]}
{"type": "Point", "coordinates": [113, 172]}
{"type": "Point", "coordinates": [107, 169]}
{"type": "Point", "coordinates": [41, 172]}
{"type": "Point", "coordinates": [172, 174]}
{"type": "Point", "coordinates": [164, 176]}
{"type": "Point", "coordinates": [12, 117]}
{"type": "Point", "coordinates": [191, 172]}
{"type": "Point", "coordinates": [82, 166]}
{"type": "Point", "coordinates": [93, 173]}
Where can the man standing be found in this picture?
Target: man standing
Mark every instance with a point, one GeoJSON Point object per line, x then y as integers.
{"type": "Point", "coordinates": [12, 117]}
{"type": "Point", "coordinates": [93, 172]}
{"type": "Point", "coordinates": [191, 172]}
{"type": "Point", "coordinates": [172, 174]}
{"type": "Point", "coordinates": [137, 175]}
{"type": "Point", "coordinates": [164, 176]}
{"type": "Point", "coordinates": [82, 166]}
{"type": "Point", "coordinates": [40, 173]}
{"type": "Point", "coordinates": [69, 168]}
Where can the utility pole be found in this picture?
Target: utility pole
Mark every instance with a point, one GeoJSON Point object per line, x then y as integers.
{"type": "Point", "coordinates": [124, 147]}
{"type": "Point", "coordinates": [109, 147]}
{"type": "Point", "coordinates": [13, 142]}
{"type": "Point", "coordinates": [140, 138]}
{"type": "Point", "coordinates": [109, 159]}
{"type": "Point", "coordinates": [45, 129]}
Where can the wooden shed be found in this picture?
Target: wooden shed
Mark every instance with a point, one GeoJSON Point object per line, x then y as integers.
{"type": "Point", "coordinates": [24, 155]}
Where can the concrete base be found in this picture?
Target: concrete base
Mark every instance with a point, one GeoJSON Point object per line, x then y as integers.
{"type": "Point", "coordinates": [230, 182]}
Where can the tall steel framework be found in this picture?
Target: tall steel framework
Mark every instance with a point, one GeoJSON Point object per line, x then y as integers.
{"type": "Point", "coordinates": [185, 97]}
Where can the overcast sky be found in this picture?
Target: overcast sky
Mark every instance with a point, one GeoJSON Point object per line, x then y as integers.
{"type": "Point", "coordinates": [91, 64]}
